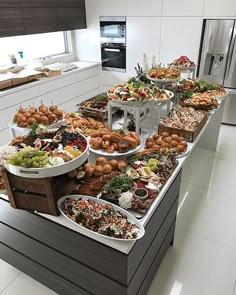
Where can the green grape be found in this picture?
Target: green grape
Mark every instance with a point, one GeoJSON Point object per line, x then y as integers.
{"type": "Point", "coordinates": [29, 157]}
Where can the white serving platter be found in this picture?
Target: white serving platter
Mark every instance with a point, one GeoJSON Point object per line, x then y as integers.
{"type": "Point", "coordinates": [130, 217]}
{"type": "Point", "coordinates": [48, 171]}
{"type": "Point", "coordinates": [164, 80]}
{"type": "Point", "coordinates": [115, 153]}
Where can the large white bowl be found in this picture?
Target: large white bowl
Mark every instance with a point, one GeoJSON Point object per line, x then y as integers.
{"type": "Point", "coordinates": [130, 217]}
{"type": "Point", "coordinates": [49, 171]}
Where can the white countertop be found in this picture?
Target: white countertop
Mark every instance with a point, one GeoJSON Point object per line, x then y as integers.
{"type": "Point", "coordinates": [81, 66]}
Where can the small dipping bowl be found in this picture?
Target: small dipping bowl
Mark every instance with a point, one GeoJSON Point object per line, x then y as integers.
{"type": "Point", "coordinates": [141, 193]}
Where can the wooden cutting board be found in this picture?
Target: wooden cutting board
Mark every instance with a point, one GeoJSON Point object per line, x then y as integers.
{"type": "Point", "coordinates": [12, 79]}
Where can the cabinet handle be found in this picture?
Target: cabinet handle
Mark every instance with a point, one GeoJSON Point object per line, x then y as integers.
{"type": "Point", "coordinates": [112, 49]}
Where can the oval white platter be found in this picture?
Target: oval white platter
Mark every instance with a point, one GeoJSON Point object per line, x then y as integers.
{"type": "Point", "coordinates": [48, 171]}
{"type": "Point", "coordinates": [164, 80]}
{"type": "Point", "coordinates": [130, 217]}
{"type": "Point", "coordinates": [115, 153]}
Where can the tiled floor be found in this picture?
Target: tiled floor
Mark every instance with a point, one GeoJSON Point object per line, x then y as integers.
{"type": "Point", "coordinates": [203, 258]}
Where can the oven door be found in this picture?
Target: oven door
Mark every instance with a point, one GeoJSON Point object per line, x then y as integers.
{"type": "Point", "coordinates": [114, 59]}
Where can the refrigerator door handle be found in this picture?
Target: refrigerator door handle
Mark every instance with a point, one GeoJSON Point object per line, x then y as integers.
{"type": "Point", "coordinates": [230, 56]}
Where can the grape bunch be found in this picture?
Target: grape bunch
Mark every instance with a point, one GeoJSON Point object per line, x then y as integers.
{"type": "Point", "coordinates": [29, 158]}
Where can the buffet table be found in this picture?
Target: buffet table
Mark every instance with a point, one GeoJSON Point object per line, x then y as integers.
{"type": "Point", "coordinates": [70, 260]}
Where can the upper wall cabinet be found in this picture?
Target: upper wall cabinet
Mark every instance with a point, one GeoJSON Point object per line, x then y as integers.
{"type": "Point", "coordinates": [112, 7]}
{"type": "Point", "coordinates": [88, 44]}
{"type": "Point", "coordinates": [182, 8]}
{"type": "Point", "coordinates": [180, 36]}
{"type": "Point", "coordinates": [92, 13]}
{"type": "Point", "coordinates": [143, 36]}
{"type": "Point", "coordinates": [19, 17]}
{"type": "Point", "coordinates": [219, 8]}
{"type": "Point", "coordinates": [144, 8]}
{"type": "Point", "coordinates": [11, 22]}
{"type": "Point", "coordinates": [53, 15]}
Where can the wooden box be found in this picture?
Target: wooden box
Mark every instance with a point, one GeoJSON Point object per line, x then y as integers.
{"type": "Point", "coordinates": [189, 136]}
{"type": "Point", "coordinates": [37, 194]}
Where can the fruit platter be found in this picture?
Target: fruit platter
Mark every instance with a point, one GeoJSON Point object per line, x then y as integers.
{"type": "Point", "coordinates": [171, 142]}
{"type": "Point", "coordinates": [183, 63]}
{"type": "Point", "coordinates": [101, 217]}
{"type": "Point", "coordinates": [136, 91]}
{"type": "Point", "coordinates": [47, 153]}
{"type": "Point", "coordinates": [162, 74]}
{"type": "Point", "coordinates": [143, 179]}
{"type": "Point", "coordinates": [114, 143]}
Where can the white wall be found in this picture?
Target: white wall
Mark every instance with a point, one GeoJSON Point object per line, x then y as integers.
{"type": "Point", "coordinates": [166, 28]}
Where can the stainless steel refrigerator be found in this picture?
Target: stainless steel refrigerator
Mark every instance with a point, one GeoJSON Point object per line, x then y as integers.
{"type": "Point", "coordinates": [217, 60]}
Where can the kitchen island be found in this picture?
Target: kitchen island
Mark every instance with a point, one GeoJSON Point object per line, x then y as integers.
{"type": "Point", "coordinates": [61, 256]}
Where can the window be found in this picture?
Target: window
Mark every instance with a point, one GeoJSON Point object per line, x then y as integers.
{"type": "Point", "coordinates": [32, 46]}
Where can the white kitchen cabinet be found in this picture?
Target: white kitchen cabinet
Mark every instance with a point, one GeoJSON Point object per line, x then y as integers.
{"type": "Point", "coordinates": [143, 36]}
{"type": "Point", "coordinates": [144, 8]}
{"type": "Point", "coordinates": [112, 7]}
{"type": "Point", "coordinates": [215, 8]}
{"type": "Point", "coordinates": [110, 78]}
{"type": "Point", "coordinates": [87, 44]}
{"type": "Point", "coordinates": [70, 105]}
{"type": "Point", "coordinates": [92, 13]}
{"type": "Point", "coordinates": [4, 119]}
{"type": "Point", "coordinates": [5, 136]}
{"type": "Point", "coordinates": [182, 8]}
{"type": "Point", "coordinates": [180, 36]}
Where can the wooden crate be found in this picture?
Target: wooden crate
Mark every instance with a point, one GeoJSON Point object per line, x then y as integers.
{"type": "Point", "coordinates": [37, 194]}
{"type": "Point", "coordinates": [189, 136]}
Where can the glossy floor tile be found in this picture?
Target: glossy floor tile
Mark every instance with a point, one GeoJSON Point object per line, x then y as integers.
{"type": "Point", "coordinates": [226, 144]}
{"type": "Point", "coordinates": [7, 274]}
{"type": "Point", "coordinates": [195, 266]}
{"type": "Point", "coordinates": [209, 214]}
{"type": "Point", "coordinates": [24, 285]}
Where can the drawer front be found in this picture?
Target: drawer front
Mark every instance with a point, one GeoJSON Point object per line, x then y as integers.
{"type": "Point", "coordinates": [153, 226]}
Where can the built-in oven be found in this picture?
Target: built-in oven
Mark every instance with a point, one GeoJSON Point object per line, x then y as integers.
{"type": "Point", "coordinates": [114, 57]}
{"type": "Point", "coordinates": [113, 43]}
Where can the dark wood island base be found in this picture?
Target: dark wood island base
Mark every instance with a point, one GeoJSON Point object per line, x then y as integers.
{"type": "Point", "coordinates": [73, 264]}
